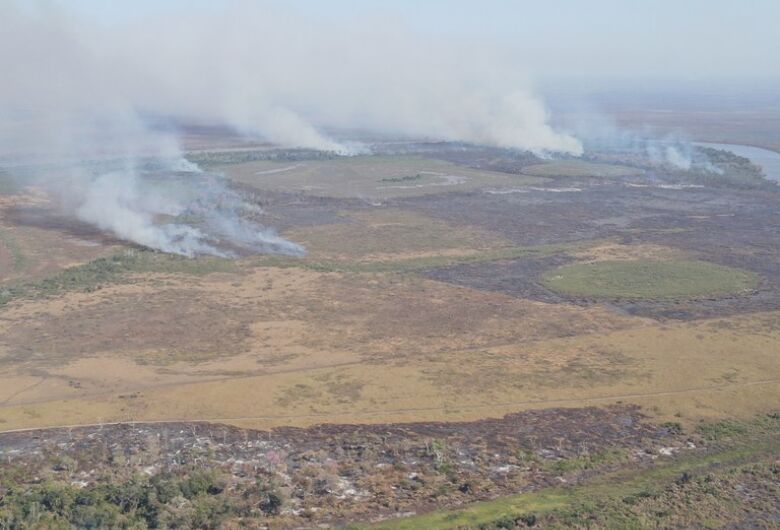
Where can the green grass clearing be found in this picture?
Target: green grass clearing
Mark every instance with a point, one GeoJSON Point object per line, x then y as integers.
{"type": "Point", "coordinates": [579, 168]}
{"type": "Point", "coordinates": [649, 279]}
{"type": "Point", "coordinates": [20, 261]}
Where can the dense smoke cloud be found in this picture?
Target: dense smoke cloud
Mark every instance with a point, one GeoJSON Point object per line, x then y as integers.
{"type": "Point", "coordinates": [67, 124]}
{"type": "Point", "coordinates": [287, 76]}
{"type": "Point", "coordinates": [276, 73]}
{"type": "Point", "coordinates": [74, 91]}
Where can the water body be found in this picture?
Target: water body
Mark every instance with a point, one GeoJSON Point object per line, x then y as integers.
{"type": "Point", "coordinates": [768, 160]}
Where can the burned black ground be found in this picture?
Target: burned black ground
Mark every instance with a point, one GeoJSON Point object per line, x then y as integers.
{"type": "Point", "coordinates": [739, 229]}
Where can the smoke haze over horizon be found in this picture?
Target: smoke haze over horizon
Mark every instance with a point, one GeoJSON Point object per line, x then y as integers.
{"type": "Point", "coordinates": [271, 72]}
{"type": "Point", "coordinates": [81, 83]}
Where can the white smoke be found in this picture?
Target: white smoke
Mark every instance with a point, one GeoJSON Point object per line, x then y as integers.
{"type": "Point", "coordinates": [82, 139]}
{"type": "Point", "coordinates": [279, 74]}
{"type": "Point", "coordinates": [678, 153]}
{"type": "Point", "coordinates": [74, 96]}
{"type": "Point", "coordinates": [669, 151]}
{"type": "Point", "coordinates": [286, 77]}
{"type": "Point", "coordinates": [130, 202]}
{"type": "Point", "coordinates": [676, 158]}
{"type": "Point", "coordinates": [113, 202]}
{"type": "Point", "coordinates": [600, 133]}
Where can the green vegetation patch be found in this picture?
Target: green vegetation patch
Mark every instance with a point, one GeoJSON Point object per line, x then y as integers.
{"type": "Point", "coordinates": [682, 491]}
{"type": "Point", "coordinates": [405, 178]}
{"type": "Point", "coordinates": [20, 261]}
{"type": "Point", "coordinates": [211, 159]}
{"type": "Point", "coordinates": [721, 430]}
{"type": "Point", "coordinates": [199, 499]}
{"type": "Point", "coordinates": [649, 279]}
{"type": "Point", "coordinates": [581, 463]}
{"type": "Point", "coordinates": [734, 171]}
{"type": "Point", "coordinates": [579, 168]}
{"type": "Point", "coordinates": [92, 275]}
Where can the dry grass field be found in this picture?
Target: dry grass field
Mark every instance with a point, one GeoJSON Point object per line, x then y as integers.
{"type": "Point", "coordinates": [281, 346]}
{"type": "Point", "coordinates": [392, 234]}
{"type": "Point", "coordinates": [354, 332]}
{"type": "Point", "coordinates": [29, 249]}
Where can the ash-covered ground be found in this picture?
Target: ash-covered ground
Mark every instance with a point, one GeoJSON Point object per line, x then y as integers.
{"type": "Point", "coordinates": [336, 473]}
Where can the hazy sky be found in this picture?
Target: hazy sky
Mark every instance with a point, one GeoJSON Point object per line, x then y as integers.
{"type": "Point", "coordinates": [617, 39]}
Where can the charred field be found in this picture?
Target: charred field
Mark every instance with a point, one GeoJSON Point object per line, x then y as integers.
{"type": "Point", "coordinates": [408, 475]}
{"type": "Point", "coordinates": [364, 380]}
{"type": "Point", "coordinates": [723, 227]}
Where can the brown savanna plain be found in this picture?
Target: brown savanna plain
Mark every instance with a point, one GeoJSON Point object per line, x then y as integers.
{"type": "Point", "coordinates": [353, 332]}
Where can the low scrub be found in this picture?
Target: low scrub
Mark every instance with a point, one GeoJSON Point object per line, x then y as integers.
{"type": "Point", "coordinates": [92, 275]}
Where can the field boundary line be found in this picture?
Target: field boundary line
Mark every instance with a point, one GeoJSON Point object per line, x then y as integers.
{"type": "Point", "coordinates": [713, 388]}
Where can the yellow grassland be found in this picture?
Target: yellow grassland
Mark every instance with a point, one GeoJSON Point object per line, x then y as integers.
{"type": "Point", "coordinates": [367, 347]}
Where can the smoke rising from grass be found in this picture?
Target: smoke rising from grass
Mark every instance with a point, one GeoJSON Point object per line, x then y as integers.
{"type": "Point", "coordinates": [75, 95]}
{"type": "Point", "coordinates": [279, 74]}
{"type": "Point", "coordinates": [67, 127]}
{"type": "Point", "coordinates": [176, 209]}
{"type": "Point", "coordinates": [599, 133]}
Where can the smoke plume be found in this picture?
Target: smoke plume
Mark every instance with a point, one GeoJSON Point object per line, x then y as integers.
{"type": "Point", "coordinates": [599, 133]}
{"type": "Point", "coordinates": [75, 95]}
